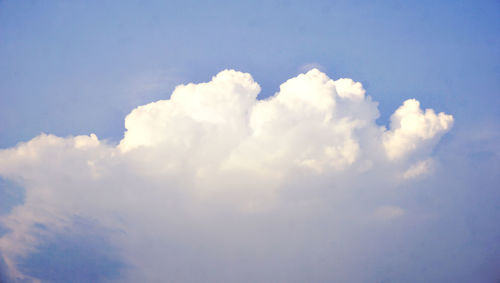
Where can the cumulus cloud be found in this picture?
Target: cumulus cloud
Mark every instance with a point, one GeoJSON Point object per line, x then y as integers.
{"type": "Point", "coordinates": [218, 185]}
{"type": "Point", "coordinates": [411, 128]}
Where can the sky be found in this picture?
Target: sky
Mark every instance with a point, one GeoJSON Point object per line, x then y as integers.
{"type": "Point", "coordinates": [249, 141]}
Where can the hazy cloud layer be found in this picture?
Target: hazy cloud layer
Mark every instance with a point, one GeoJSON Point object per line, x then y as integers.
{"type": "Point", "coordinates": [216, 185]}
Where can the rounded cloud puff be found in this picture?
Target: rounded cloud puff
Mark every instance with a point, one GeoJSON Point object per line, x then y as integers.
{"type": "Point", "coordinates": [411, 128]}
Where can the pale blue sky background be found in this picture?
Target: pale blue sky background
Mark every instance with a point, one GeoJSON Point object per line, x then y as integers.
{"type": "Point", "coordinates": [77, 67]}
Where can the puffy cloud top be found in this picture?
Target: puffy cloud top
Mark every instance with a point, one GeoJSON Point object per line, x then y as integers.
{"type": "Point", "coordinates": [411, 128]}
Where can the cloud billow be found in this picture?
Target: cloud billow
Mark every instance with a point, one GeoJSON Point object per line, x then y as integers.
{"type": "Point", "coordinates": [214, 184]}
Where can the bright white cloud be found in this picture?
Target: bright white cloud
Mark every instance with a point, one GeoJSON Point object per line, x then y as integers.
{"type": "Point", "coordinates": [203, 172]}
{"type": "Point", "coordinates": [411, 129]}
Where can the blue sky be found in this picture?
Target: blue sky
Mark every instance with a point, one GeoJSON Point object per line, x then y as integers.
{"type": "Point", "coordinates": [62, 61]}
{"type": "Point", "coordinates": [70, 68]}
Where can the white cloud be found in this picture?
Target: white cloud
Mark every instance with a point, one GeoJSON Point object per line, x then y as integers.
{"type": "Point", "coordinates": [411, 129]}
{"type": "Point", "coordinates": [206, 170]}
